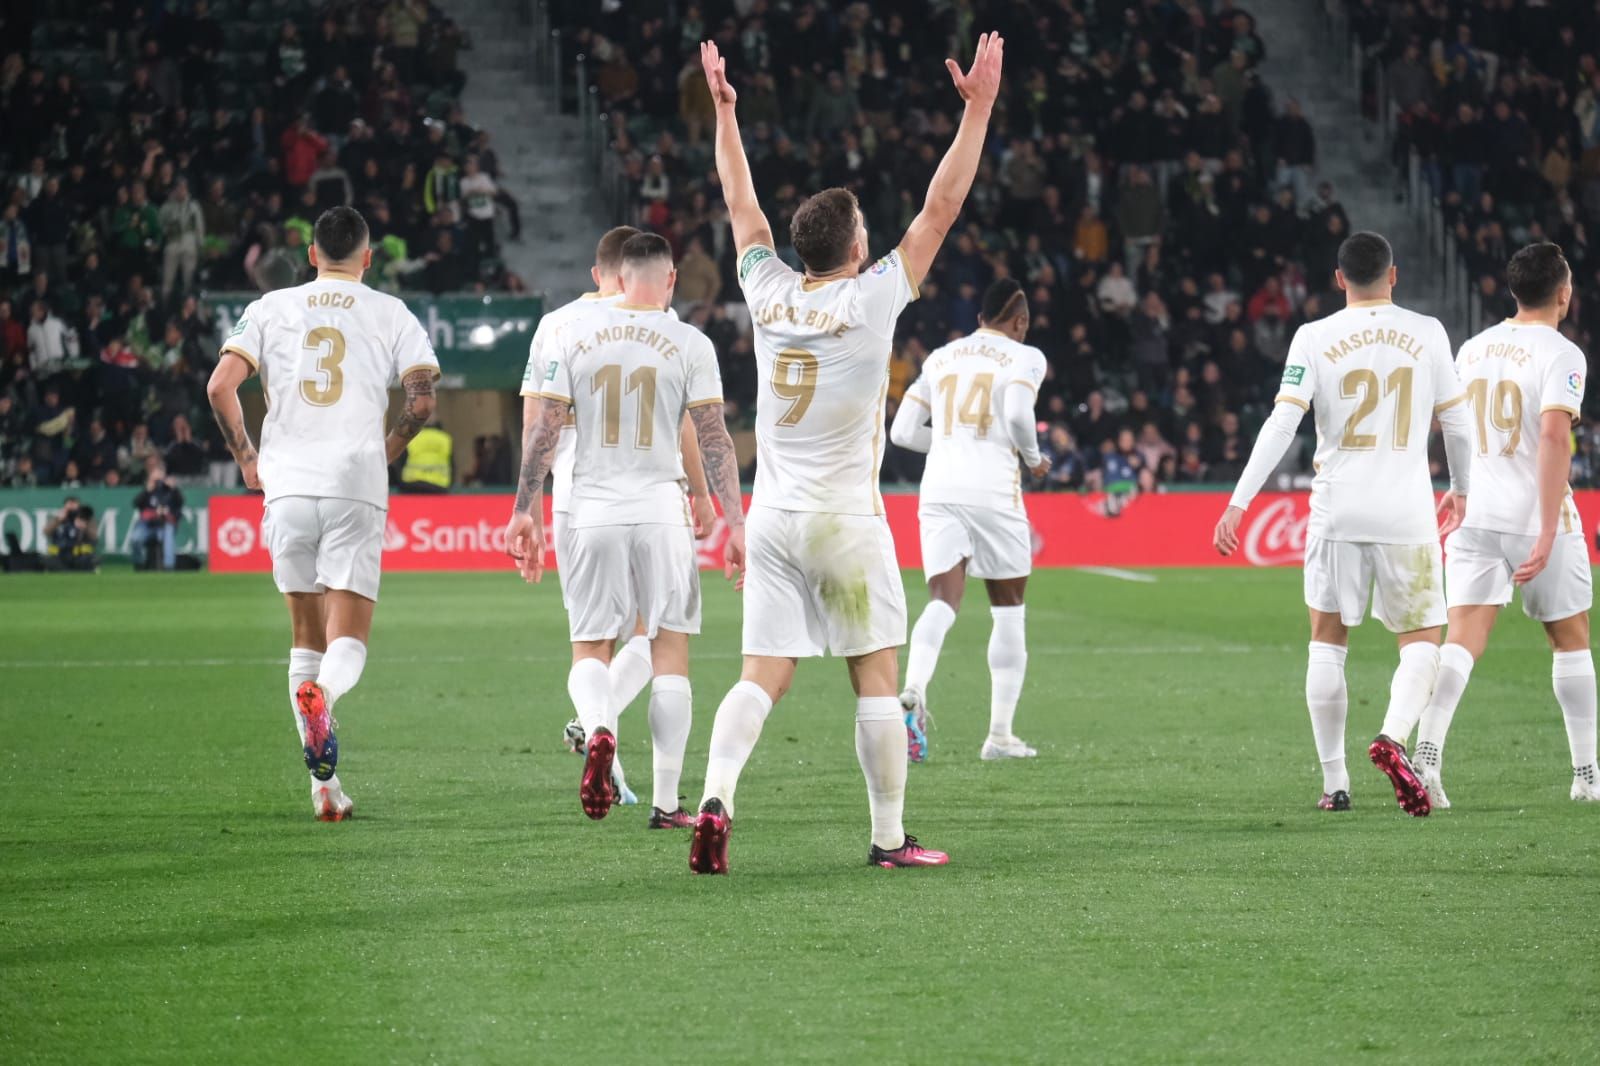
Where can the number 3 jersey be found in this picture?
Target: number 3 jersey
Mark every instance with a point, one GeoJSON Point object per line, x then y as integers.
{"type": "Point", "coordinates": [328, 352]}
{"type": "Point", "coordinates": [971, 460]}
{"type": "Point", "coordinates": [1513, 373]}
{"type": "Point", "coordinates": [1373, 375]}
{"type": "Point", "coordinates": [822, 375]}
{"type": "Point", "coordinates": [629, 373]}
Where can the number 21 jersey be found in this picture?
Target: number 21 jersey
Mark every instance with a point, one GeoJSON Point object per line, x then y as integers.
{"type": "Point", "coordinates": [328, 352]}
{"type": "Point", "coordinates": [822, 375]}
{"type": "Point", "coordinates": [1373, 375]}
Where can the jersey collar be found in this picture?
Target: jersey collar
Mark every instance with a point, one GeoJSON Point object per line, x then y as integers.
{"type": "Point", "coordinates": [1368, 303]}
{"type": "Point", "coordinates": [337, 275]}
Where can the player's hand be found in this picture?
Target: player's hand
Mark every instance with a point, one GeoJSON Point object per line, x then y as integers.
{"type": "Point", "coordinates": [525, 544]}
{"type": "Point", "coordinates": [704, 515]}
{"type": "Point", "coordinates": [716, 69]}
{"type": "Point", "coordinates": [1452, 512]}
{"type": "Point", "coordinates": [1226, 537]}
{"type": "Point", "coordinates": [1534, 565]}
{"type": "Point", "coordinates": [981, 84]}
{"type": "Point", "coordinates": [252, 477]}
{"type": "Point", "coordinates": [733, 556]}
{"type": "Point", "coordinates": [1042, 469]}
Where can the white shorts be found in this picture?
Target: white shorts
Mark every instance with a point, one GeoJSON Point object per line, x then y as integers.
{"type": "Point", "coordinates": [321, 543]}
{"type": "Point", "coordinates": [820, 583]}
{"type": "Point", "coordinates": [999, 544]}
{"type": "Point", "coordinates": [1340, 576]}
{"type": "Point", "coordinates": [558, 540]}
{"type": "Point", "coordinates": [617, 574]}
{"type": "Point", "coordinates": [1479, 563]}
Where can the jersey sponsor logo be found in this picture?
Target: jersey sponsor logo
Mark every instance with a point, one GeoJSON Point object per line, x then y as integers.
{"type": "Point", "coordinates": [1575, 384]}
{"type": "Point", "coordinates": [239, 326]}
{"type": "Point", "coordinates": [236, 537]}
{"type": "Point", "coordinates": [1293, 375]}
{"type": "Point", "coordinates": [1276, 534]}
{"type": "Point", "coordinates": [550, 371]}
{"type": "Point", "coordinates": [883, 266]}
{"type": "Point", "coordinates": [751, 257]}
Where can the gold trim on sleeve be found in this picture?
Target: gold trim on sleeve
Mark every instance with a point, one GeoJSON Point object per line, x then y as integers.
{"type": "Point", "coordinates": [1449, 403]}
{"type": "Point", "coordinates": [556, 396]}
{"type": "Point", "coordinates": [703, 403]}
{"type": "Point", "coordinates": [1284, 397]}
{"type": "Point", "coordinates": [1560, 407]}
{"type": "Point", "coordinates": [526, 395]}
{"type": "Point", "coordinates": [234, 349]}
{"type": "Point", "coordinates": [900, 254]}
{"type": "Point", "coordinates": [420, 366]}
{"type": "Point", "coordinates": [917, 399]}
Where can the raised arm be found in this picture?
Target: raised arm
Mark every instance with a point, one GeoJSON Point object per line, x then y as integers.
{"type": "Point", "coordinates": [694, 471]}
{"type": "Point", "coordinates": [525, 533]}
{"type": "Point", "coordinates": [722, 473]}
{"type": "Point", "coordinates": [419, 408]}
{"type": "Point", "coordinates": [733, 169]}
{"type": "Point", "coordinates": [952, 181]}
{"type": "Point", "coordinates": [223, 391]}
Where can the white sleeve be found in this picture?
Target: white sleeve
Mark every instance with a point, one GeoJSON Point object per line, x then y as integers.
{"type": "Point", "coordinates": [246, 339]}
{"type": "Point", "coordinates": [704, 385]}
{"type": "Point", "coordinates": [1016, 414]}
{"type": "Point", "coordinates": [760, 272]}
{"type": "Point", "coordinates": [910, 428]}
{"type": "Point", "coordinates": [533, 373]}
{"type": "Point", "coordinates": [412, 348]}
{"type": "Point", "coordinates": [1563, 383]}
{"type": "Point", "coordinates": [1277, 433]}
{"type": "Point", "coordinates": [1458, 444]}
{"type": "Point", "coordinates": [888, 288]}
{"type": "Point", "coordinates": [556, 381]}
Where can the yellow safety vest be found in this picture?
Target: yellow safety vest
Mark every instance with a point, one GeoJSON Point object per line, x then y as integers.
{"type": "Point", "coordinates": [428, 458]}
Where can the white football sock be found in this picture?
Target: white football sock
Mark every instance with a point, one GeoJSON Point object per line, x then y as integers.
{"type": "Point", "coordinates": [1572, 675]}
{"type": "Point", "coordinates": [1328, 701]}
{"type": "Point", "coordinates": [1008, 665]}
{"type": "Point", "coordinates": [589, 687]}
{"type": "Point", "coordinates": [342, 664]}
{"type": "Point", "coordinates": [1455, 667]}
{"type": "Point", "coordinates": [670, 715]}
{"type": "Point", "coordinates": [927, 637]}
{"type": "Point", "coordinates": [630, 672]}
{"type": "Point", "coordinates": [1410, 689]}
{"type": "Point", "coordinates": [881, 749]}
{"type": "Point", "coordinates": [303, 666]}
{"type": "Point", "coordinates": [733, 737]}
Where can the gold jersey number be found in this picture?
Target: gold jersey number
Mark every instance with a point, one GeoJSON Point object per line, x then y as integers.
{"type": "Point", "coordinates": [608, 382]}
{"type": "Point", "coordinates": [1501, 408]}
{"type": "Point", "coordinates": [325, 387]}
{"type": "Point", "coordinates": [794, 378]}
{"type": "Point", "coordinates": [1362, 386]}
{"type": "Point", "coordinates": [977, 407]}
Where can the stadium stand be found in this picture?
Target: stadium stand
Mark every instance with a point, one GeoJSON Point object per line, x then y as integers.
{"type": "Point", "coordinates": [150, 150]}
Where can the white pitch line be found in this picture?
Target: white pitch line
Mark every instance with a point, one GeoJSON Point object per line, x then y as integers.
{"type": "Point", "coordinates": [1119, 574]}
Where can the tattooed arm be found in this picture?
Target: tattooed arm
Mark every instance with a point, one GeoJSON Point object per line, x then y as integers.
{"type": "Point", "coordinates": [722, 474]}
{"type": "Point", "coordinates": [525, 533]}
{"type": "Point", "coordinates": [223, 391]}
{"type": "Point", "coordinates": [418, 410]}
{"type": "Point", "coordinates": [694, 471]}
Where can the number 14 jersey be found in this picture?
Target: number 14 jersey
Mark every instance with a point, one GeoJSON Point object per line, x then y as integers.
{"type": "Point", "coordinates": [822, 374]}
{"type": "Point", "coordinates": [1373, 375]}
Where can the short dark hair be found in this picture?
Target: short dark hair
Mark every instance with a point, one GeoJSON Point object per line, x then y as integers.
{"type": "Point", "coordinates": [608, 253]}
{"type": "Point", "coordinates": [644, 247]}
{"type": "Point", "coordinates": [1364, 258]}
{"type": "Point", "coordinates": [1536, 273]}
{"type": "Point", "coordinates": [1003, 300]}
{"type": "Point", "coordinates": [340, 233]}
{"type": "Point", "coordinates": [822, 229]}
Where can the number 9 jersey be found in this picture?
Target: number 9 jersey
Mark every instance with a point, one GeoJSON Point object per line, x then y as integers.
{"type": "Point", "coordinates": [328, 352]}
{"type": "Point", "coordinates": [822, 375]}
{"type": "Point", "coordinates": [1374, 375]}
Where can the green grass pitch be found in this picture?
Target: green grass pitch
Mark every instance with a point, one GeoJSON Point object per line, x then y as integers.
{"type": "Point", "coordinates": [1155, 887]}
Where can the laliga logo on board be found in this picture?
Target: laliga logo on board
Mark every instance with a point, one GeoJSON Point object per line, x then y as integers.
{"type": "Point", "coordinates": [1276, 535]}
{"type": "Point", "coordinates": [236, 537]}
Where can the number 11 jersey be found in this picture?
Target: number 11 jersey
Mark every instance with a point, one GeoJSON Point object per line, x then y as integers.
{"type": "Point", "coordinates": [328, 352]}
{"type": "Point", "coordinates": [822, 375]}
{"type": "Point", "coordinates": [1373, 375]}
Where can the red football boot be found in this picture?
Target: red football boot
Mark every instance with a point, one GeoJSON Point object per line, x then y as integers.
{"type": "Point", "coordinates": [708, 851]}
{"type": "Point", "coordinates": [597, 793]}
{"type": "Point", "coordinates": [1390, 757]}
{"type": "Point", "coordinates": [908, 854]}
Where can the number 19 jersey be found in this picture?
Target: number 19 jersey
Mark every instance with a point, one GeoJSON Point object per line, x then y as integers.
{"type": "Point", "coordinates": [629, 373]}
{"type": "Point", "coordinates": [1373, 375]}
{"type": "Point", "coordinates": [328, 352]}
{"type": "Point", "coordinates": [971, 460]}
{"type": "Point", "coordinates": [1513, 373]}
{"type": "Point", "coordinates": [822, 375]}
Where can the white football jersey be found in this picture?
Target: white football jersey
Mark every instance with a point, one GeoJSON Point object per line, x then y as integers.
{"type": "Point", "coordinates": [1372, 374]}
{"type": "Point", "coordinates": [822, 375]}
{"type": "Point", "coordinates": [1512, 374]}
{"type": "Point", "coordinates": [630, 373]}
{"type": "Point", "coordinates": [971, 460]}
{"type": "Point", "coordinates": [328, 352]}
{"type": "Point", "coordinates": [550, 326]}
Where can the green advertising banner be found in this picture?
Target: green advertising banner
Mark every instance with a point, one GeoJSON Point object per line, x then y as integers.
{"type": "Point", "coordinates": [481, 341]}
{"type": "Point", "coordinates": [25, 512]}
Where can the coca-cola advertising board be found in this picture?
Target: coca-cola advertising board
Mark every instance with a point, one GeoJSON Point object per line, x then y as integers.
{"type": "Point", "coordinates": [468, 532]}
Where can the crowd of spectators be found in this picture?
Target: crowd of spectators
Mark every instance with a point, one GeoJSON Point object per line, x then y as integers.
{"type": "Point", "coordinates": [1157, 200]}
{"type": "Point", "coordinates": [153, 148]}
{"type": "Point", "coordinates": [1499, 105]}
